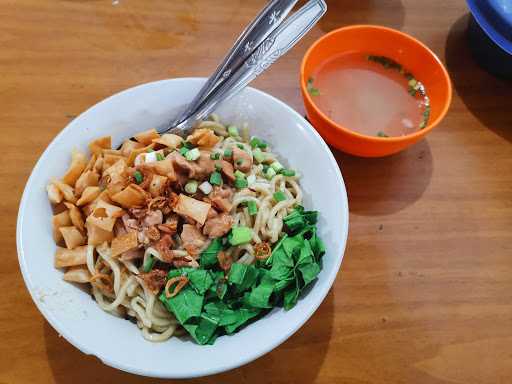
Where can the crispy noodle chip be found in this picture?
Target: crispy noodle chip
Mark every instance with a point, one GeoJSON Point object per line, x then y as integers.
{"type": "Point", "coordinates": [124, 243]}
{"type": "Point", "coordinates": [75, 216]}
{"type": "Point", "coordinates": [72, 237]}
{"type": "Point", "coordinates": [78, 164]}
{"type": "Point", "coordinates": [204, 138]}
{"type": "Point", "coordinates": [88, 195]}
{"type": "Point", "coordinates": [54, 194]}
{"type": "Point", "coordinates": [157, 185]}
{"type": "Point", "coordinates": [136, 152]}
{"type": "Point", "coordinates": [110, 160]}
{"type": "Point", "coordinates": [169, 140]}
{"type": "Point", "coordinates": [96, 235]}
{"type": "Point", "coordinates": [146, 137]}
{"type": "Point", "coordinates": [77, 275]}
{"type": "Point", "coordinates": [60, 220]}
{"type": "Point", "coordinates": [70, 257]}
{"type": "Point", "coordinates": [100, 143]}
{"type": "Point", "coordinates": [86, 179]}
{"type": "Point", "coordinates": [130, 145]}
{"type": "Point", "coordinates": [131, 197]}
{"type": "Point", "coordinates": [90, 163]}
{"type": "Point", "coordinates": [104, 222]}
{"type": "Point", "coordinates": [111, 210]}
{"type": "Point", "coordinates": [190, 207]}
{"type": "Point", "coordinates": [66, 190]}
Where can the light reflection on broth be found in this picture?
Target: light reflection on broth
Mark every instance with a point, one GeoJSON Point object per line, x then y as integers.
{"type": "Point", "coordinates": [371, 95]}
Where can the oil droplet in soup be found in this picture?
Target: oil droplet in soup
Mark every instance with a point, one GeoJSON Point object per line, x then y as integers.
{"type": "Point", "coordinates": [371, 95]}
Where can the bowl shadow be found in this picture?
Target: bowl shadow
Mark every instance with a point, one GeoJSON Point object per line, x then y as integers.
{"type": "Point", "coordinates": [380, 186]}
{"type": "Point", "coordinates": [346, 12]}
{"type": "Point", "coordinates": [305, 352]}
{"type": "Point", "coordinates": [487, 97]}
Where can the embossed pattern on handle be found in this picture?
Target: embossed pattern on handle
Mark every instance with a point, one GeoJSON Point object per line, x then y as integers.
{"type": "Point", "coordinates": [272, 48]}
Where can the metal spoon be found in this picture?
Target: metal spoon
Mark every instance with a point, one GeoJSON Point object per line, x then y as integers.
{"type": "Point", "coordinates": [279, 41]}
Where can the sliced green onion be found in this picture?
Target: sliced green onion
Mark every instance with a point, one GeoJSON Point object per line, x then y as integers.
{"type": "Point", "coordinates": [241, 183]}
{"type": "Point", "coordinates": [138, 177]}
{"type": "Point", "coordinates": [228, 153]}
{"type": "Point", "coordinates": [192, 154]}
{"type": "Point", "coordinates": [255, 142]}
{"type": "Point", "coordinates": [258, 155]}
{"type": "Point", "coordinates": [239, 162]}
{"type": "Point", "coordinates": [191, 187]}
{"type": "Point", "coordinates": [240, 146]}
{"type": "Point", "coordinates": [188, 145]}
{"type": "Point", "coordinates": [218, 166]}
{"type": "Point", "coordinates": [279, 196]}
{"type": "Point", "coordinates": [252, 207]}
{"type": "Point", "coordinates": [239, 174]}
{"type": "Point", "coordinates": [206, 187]}
{"type": "Point", "coordinates": [233, 131]}
{"type": "Point", "coordinates": [149, 263]}
{"type": "Point", "coordinates": [287, 172]}
{"type": "Point", "coordinates": [265, 168]}
{"type": "Point", "coordinates": [184, 150]}
{"type": "Point", "coordinates": [215, 156]}
{"type": "Point", "coordinates": [159, 157]}
{"type": "Point", "coordinates": [149, 150]}
{"type": "Point", "coordinates": [240, 235]}
{"type": "Point", "coordinates": [270, 173]}
{"type": "Point", "coordinates": [216, 178]}
{"type": "Point", "coordinates": [277, 166]}
{"type": "Point", "coordinates": [262, 144]}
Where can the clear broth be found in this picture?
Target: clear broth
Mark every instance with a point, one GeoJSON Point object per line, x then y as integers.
{"type": "Point", "coordinates": [368, 97]}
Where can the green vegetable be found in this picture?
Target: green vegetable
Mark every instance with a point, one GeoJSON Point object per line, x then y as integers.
{"type": "Point", "coordinates": [208, 257]}
{"type": "Point", "coordinates": [241, 183]}
{"type": "Point", "coordinates": [240, 146]}
{"type": "Point", "coordinates": [239, 174]}
{"type": "Point", "coordinates": [279, 196]}
{"type": "Point", "coordinates": [228, 153]}
{"type": "Point", "coordinates": [312, 90]}
{"type": "Point", "coordinates": [240, 235]}
{"type": "Point", "coordinates": [160, 157]}
{"type": "Point", "coordinates": [381, 134]}
{"type": "Point", "coordinates": [138, 177]}
{"type": "Point", "coordinates": [255, 142]}
{"type": "Point", "coordinates": [187, 144]}
{"type": "Point", "coordinates": [149, 150]}
{"type": "Point", "coordinates": [215, 156]}
{"type": "Point", "coordinates": [287, 172]}
{"type": "Point", "coordinates": [191, 187]}
{"type": "Point", "coordinates": [270, 173]}
{"type": "Point", "coordinates": [276, 166]}
{"type": "Point", "coordinates": [186, 305]}
{"type": "Point", "coordinates": [184, 150]}
{"type": "Point", "coordinates": [242, 276]}
{"type": "Point", "coordinates": [149, 264]}
{"type": "Point", "coordinates": [192, 154]}
{"type": "Point", "coordinates": [258, 155]}
{"type": "Point", "coordinates": [233, 131]}
{"type": "Point", "coordinates": [252, 207]}
{"type": "Point", "coordinates": [200, 280]}
{"type": "Point", "coordinates": [216, 178]}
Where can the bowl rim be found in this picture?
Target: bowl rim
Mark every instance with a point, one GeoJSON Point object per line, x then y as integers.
{"type": "Point", "coordinates": [57, 324]}
{"type": "Point", "coordinates": [376, 139]}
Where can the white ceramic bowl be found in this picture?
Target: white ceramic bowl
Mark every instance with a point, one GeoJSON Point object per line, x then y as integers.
{"type": "Point", "coordinates": [117, 342]}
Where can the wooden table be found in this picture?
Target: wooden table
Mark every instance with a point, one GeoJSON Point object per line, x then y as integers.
{"type": "Point", "coordinates": [425, 291]}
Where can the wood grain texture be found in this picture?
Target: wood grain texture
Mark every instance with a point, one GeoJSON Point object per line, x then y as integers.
{"type": "Point", "coordinates": [425, 291]}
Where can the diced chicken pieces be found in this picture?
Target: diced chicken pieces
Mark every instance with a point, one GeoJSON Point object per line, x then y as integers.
{"type": "Point", "coordinates": [130, 225]}
{"type": "Point", "coordinates": [190, 168]}
{"type": "Point", "coordinates": [221, 198]}
{"type": "Point", "coordinates": [164, 248]}
{"type": "Point", "coordinates": [222, 204]}
{"type": "Point", "coordinates": [205, 163]}
{"type": "Point", "coordinates": [192, 208]}
{"type": "Point", "coordinates": [192, 239]}
{"type": "Point", "coordinates": [228, 170]}
{"type": "Point", "coordinates": [132, 254]}
{"type": "Point", "coordinates": [153, 218]}
{"type": "Point", "coordinates": [155, 280]}
{"type": "Point", "coordinates": [204, 138]}
{"type": "Point", "coordinates": [242, 160]}
{"type": "Point", "coordinates": [218, 226]}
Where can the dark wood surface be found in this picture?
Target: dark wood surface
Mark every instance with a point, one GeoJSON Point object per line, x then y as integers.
{"type": "Point", "coordinates": [425, 290]}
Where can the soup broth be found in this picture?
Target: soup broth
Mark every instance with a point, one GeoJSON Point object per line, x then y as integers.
{"type": "Point", "coordinates": [371, 95]}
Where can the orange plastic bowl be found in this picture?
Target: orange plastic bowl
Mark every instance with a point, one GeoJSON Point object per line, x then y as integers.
{"type": "Point", "coordinates": [381, 41]}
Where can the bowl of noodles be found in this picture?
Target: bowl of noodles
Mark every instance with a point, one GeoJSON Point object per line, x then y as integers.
{"type": "Point", "coordinates": [154, 251]}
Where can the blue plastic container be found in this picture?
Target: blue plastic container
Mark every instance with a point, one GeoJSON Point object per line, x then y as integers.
{"type": "Point", "coordinates": [490, 35]}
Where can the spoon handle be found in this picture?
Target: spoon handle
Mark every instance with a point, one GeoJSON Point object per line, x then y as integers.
{"type": "Point", "coordinates": [269, 18]}
{"type": "Point", "coordinates": [280, 41]}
